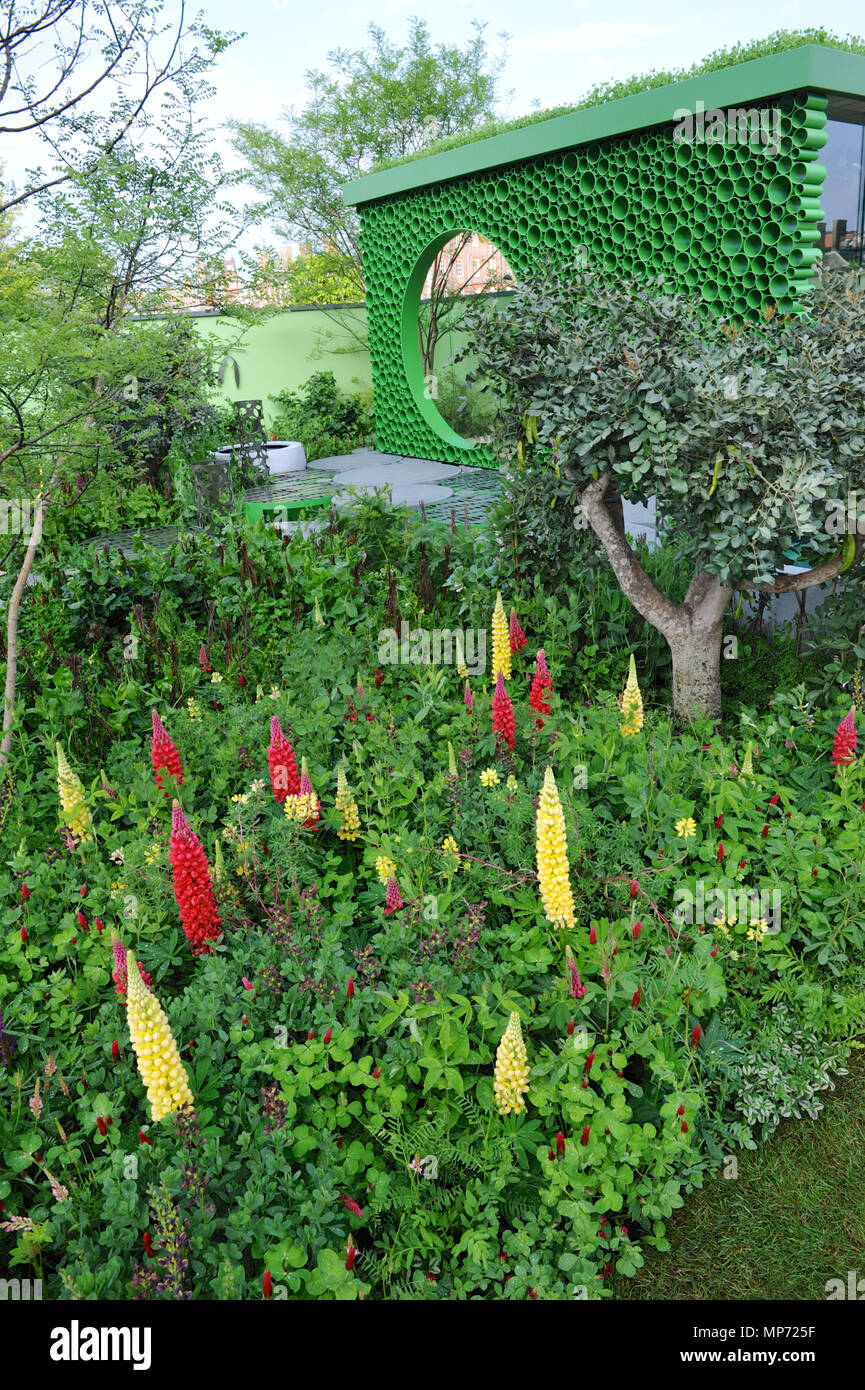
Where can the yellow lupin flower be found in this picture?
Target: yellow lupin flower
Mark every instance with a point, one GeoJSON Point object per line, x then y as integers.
{"type": "Point", "coordinates": [385, 868]}
{"type": "Point", "coordinates": [451, 852]}
{"type": "Point", "coordinates": [501, 642]}
{"type": "Point", "coordinates": [686, 827]}
{"type": "Point", "coordinates": [347, 807]}
{"type": "Point", "coordinates": [551, 850]}
{"type": "Point", "coordinates": [632, 704]}
{"type": "Point", "coordinates": [511, 1081]}
{"type": "Point", "coordinates": [489, 777]}
{"type": "Point", "coordinates": [70, 789]}
{"type": "Point", "coordinates": [452, 762]}
{"type": "Point", "coordinates": [159, 1063]}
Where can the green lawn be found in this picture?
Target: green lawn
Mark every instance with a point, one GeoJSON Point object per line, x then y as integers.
{"type": "Point", "coordinates": [793, 1218]}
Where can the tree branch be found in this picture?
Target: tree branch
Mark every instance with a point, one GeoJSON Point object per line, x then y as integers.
{"type": "Point", "coordinates": [820, 574]}
{"type": "Point", "coordinates": [635, 584]}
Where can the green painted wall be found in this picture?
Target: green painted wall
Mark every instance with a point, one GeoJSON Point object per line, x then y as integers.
{"type": "Point", "coordinates": [287, 348]}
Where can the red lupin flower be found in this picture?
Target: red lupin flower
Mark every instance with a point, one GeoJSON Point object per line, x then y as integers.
{"type": "Point", "coordinates": [515, 633]}
{"type": "Point", "coordinates": [327, 1037]}
{"type": "Point", "coordinates": [164, 756]}
{"type": "Point", "coordinates": [542, 686]}
{"type": "Point", "coordinates": [638, 994]}
{"type": "Point", "coordinates": [377, 678]}
{"type": "Point", "coordinates": [25, 892]}
{"type": "Point", "coordinates": [503, 713]}
{"type": "Point", "coordinates": [349, 987]}
{"type": "Point", "coordinates": [284, 776]}
{"type": "Point", "coordinates": [148, 1244]}
{"type": "Point", "coordinates": [636, 929]}
{"type": "Point", "coordinates": [267, 1284]}
{"type": "Point", "coordinates": [193, 889]}
{"type": "Point", "coordinates": [584, 1137]}
{"type": "Point", "coordinates": [720, 852]}
{"type": "Point", "coordinates": [115, 1050]}
{"type": "Point", "coordinates": [845, 740]}
{"type": "Point", "coordinates": [142, 1137]}
{"type": "Point", "coordinates": [101, 1125]}
{"type": "Point", "coordinates": [696, 1035]}
{"type": "Point", "coordinates": [351, 1255]}
{"type": "Point", "coordinates": [560, 1145]}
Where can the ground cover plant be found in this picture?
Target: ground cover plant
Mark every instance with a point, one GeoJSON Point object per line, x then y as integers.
{"type": "Point", "coordinates": [438, 952]}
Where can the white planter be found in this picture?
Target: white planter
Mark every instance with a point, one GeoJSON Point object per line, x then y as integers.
{"type": "Point", "coordinates": [283, 456]}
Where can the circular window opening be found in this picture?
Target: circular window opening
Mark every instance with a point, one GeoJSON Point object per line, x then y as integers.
{"type": "Point", "coordinates": [467, 272]}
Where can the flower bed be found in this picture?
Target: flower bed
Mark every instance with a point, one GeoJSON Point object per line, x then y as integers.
{"type": "Point", "coordinates": [469, 986]}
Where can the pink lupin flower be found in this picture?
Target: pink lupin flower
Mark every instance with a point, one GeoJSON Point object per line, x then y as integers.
{"type": "Point", "coordinates": [468, 698]}
{"type": "Point", "coordinates": [284, 776]}
{"type": "Point", "coordinates": [542, 686]}
{"type": "Point", "coordinates": [119, 972]}
{"type": "Point", "coordinates": [392, 898]}
{"type": "Point", "coordinates": [515, 633]}
{"type": "Point", "coordinates": [202, 660]}
{"type": "Point", "coordinates": [845, 740]}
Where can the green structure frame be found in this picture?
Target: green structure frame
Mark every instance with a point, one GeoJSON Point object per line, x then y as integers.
{"type": "Point", "coordinates": [727, 208]}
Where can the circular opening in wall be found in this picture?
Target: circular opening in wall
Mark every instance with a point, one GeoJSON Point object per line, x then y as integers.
{"type": "Point", "coordinates": [461, 276]}
{"type": "Point", "coordinates": [502, 190]}
{"type": "Point", "coordinates": [569, 164]}
{"type": "Point", "coordinates": [533, 236]}
{"type": "Point", "coordinates": [619, 208]}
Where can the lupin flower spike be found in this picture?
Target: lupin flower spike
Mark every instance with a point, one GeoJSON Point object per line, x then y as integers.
{"type": "Point", "coordinates": [284, 776]}
{"type": "Point", "coordinates": [193, 889]}
{"type": "Point", "coordinates": [632, 703]}
{"type": "Point", "coordinates": [501, 643]}
{"type": "Point", "coordinates": [542, 687]}
{"type": "Point", "coordinates": [503, 713]}
{"type": "Point", "coordinates": [516, 636]}
{"type": "Point", "coordinates": [71, 792]}
{"type": "Point", "coordinates": [305, 806]}
{"type": "Point", "coordinates": [164, 755]}
{"type": "Point", "coordinates": [511, 1080]}
{"type": "Point", "coordinates": [551, 849]}
{"type": "Point", "coordinates": [159, 1063]}
{"type": "Point", "coordinates": [347, 807]}
{"type": "Point", "coordinates": [845, 740]}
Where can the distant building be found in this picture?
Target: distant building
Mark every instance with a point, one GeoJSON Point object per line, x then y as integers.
{"type": "Point", "coordinates": [470, 264]}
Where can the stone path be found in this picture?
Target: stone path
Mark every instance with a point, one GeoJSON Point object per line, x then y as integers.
{"type": "Point", "coordinates": [449, 493]}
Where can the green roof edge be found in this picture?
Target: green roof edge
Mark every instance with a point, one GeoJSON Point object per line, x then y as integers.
{"type": "Point", "coordinates": [810, 66]}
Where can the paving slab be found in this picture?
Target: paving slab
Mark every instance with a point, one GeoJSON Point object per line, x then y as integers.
{"type": "Point", "coordinates": [361, 458]}
{"type": "Point", "coordinates": [401, 494]}
{"type": "Point", "coordinates": [397, 473]}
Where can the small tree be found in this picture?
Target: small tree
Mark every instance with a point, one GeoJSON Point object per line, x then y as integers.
{"type": "Point", "coordinates": [376, 104]}
{"type": "Point", "coordinates": [750, 436]}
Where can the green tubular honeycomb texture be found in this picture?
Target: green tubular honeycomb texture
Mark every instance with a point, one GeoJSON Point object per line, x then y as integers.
{"type": "Point", "coordinates": [734, 223]}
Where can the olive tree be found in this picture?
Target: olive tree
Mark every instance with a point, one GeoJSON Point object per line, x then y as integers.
{"type": "Point", "coordinates": [750, 436]}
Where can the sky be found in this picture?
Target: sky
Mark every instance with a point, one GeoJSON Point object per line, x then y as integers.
{"type": "Point", "coordinates": [556, 51]}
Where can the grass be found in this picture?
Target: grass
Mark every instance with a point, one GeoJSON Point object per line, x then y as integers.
{"type": "Point", "coordinates": [792, 1219]}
